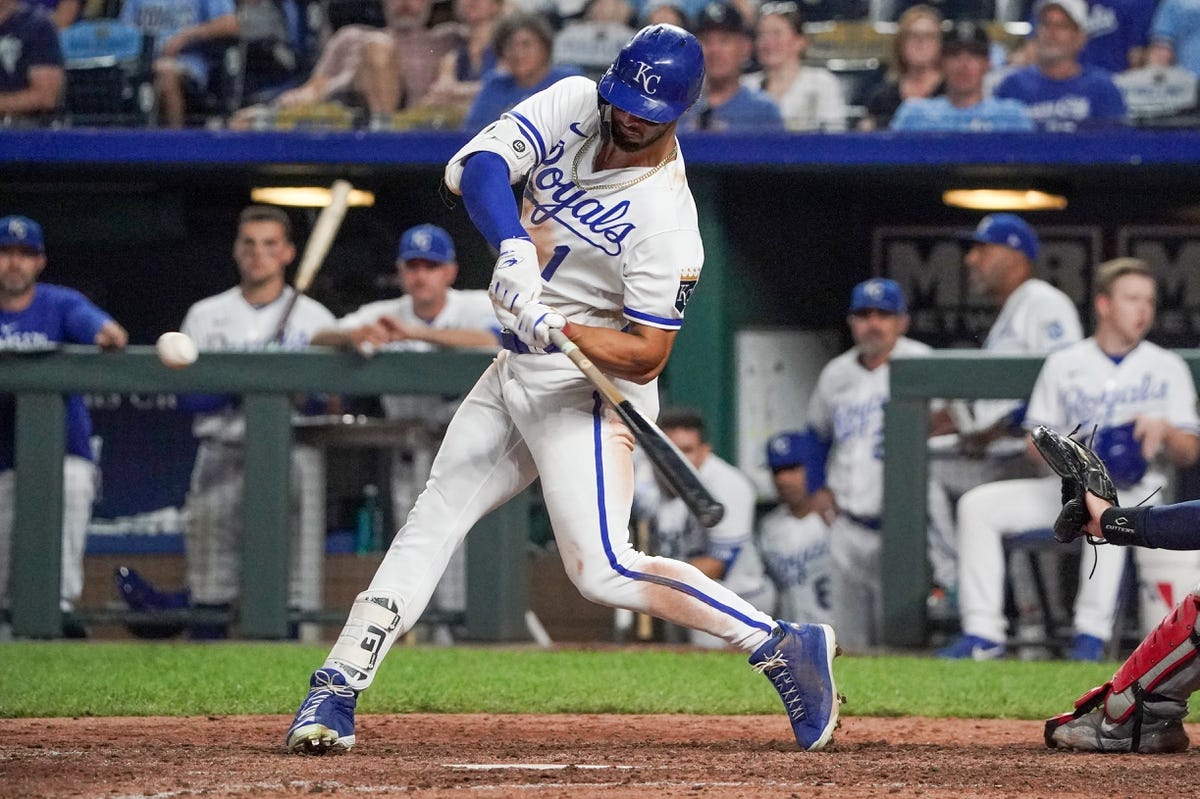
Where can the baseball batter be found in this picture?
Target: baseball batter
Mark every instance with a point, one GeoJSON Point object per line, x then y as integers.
{"type": "Point", "coordinates": [845, 474]}
{"type": "Point", "coordinates": [606, 248]}
{"type": "Point", "coordinates": [724, 552]}
{"type": "Point", "coordinates": [1113, 379]}
{"type": "Point", "coordinates": [35, 316]}
{"type": "Point", "coordinates": [241, 318]}
{"type": "Point", "coordinates": [794, 540]}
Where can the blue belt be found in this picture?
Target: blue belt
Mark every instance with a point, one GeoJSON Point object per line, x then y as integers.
{"type": "Point", "coordinates": [870, 522]}
{"type": "Point", "coordinates": [510, 342]}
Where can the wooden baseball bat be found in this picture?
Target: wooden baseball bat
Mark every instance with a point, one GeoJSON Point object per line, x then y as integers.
{"type": "Point", "coordinates": [315, 249]}
{"type": "Point", "coordinates": [670, 463]}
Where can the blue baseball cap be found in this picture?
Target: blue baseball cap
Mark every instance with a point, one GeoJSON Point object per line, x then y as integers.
{"type": "Point", "coordinates": [878, 293]}
{"type": "Point", "coordinates": [1009, 230]}
{"type": "Point", "coordinates": [428, 242]}
{"type": "Point", "coordinates": [785, 450]}
{"type": "Point", "coordinates": [21, 231]}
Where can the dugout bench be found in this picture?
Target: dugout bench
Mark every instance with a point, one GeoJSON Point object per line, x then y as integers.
{"type": "Point", "coordinates": [948, 374]}
{"type": "Point", "coordinates": [497, 596]}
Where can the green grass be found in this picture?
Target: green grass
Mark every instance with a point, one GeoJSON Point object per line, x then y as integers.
{"type": "Point", "coordinates": [133, 679]}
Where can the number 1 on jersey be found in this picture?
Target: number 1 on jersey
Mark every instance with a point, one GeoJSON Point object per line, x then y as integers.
{"type": "Point", "coordinates": [560, 255]}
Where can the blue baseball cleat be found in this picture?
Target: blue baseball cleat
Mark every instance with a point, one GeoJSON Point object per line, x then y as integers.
{"type": "Point", "coordinates": [798, 660]}
{"type": "Point", "coordinates": [325, 721]}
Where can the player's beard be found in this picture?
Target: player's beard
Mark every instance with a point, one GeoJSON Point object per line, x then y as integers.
{"type": "Point", "coordinates": [15, 283]}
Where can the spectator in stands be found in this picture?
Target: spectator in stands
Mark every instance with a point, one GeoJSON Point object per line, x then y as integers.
{"type": "Point", "coordinates": [725, 104]}
{"type": "Point", "coordinates": [915, 70]}
{"type": "Point", "coordinates": [591, 43]}
{"type": "Point", "coordinates": [1061, 93]}
{"type": "Point", "coordinates": [181, 29]}
{"type": "Point", "coordinates": [62, 12]}
{"type": "Point", "coordinates": [1175, 36]}
{"type": "Point", "coordinates": [383, 69]}
{"type": "Point", "coordinates": [31, 69]}
{"type": "Point", "coordinates": [809, 97]}
{"type": "Point", "coordinates": [523, 45]}
{"type": "Point", "coordinates": [461, 72]}
{"type": "Point", "coordinates": [37, 316]}
{"type": "Point", "coordinates": [965, 51]}
{"type": "Point", "coordinates": [666, 12]}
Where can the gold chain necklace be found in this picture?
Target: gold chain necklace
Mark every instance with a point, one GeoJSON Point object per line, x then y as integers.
{"type": "Point", "coordinates": [624, 184]}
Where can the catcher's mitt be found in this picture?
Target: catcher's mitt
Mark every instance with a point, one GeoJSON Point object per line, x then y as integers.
{"type": "Point", "coordinates": [1081, 471]}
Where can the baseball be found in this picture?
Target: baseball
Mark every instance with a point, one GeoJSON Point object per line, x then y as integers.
{"type": "Point", "coordinates": [176, 350]}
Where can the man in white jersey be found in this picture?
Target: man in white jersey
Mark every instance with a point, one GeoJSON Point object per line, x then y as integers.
{"type": "Point", "coordinates": [793, 539]}
{"type": "Point", "coordinates": [1035, 318]}
{"type": "Point", "coordinates": [431, 314]}
{"type": "Point", "coordinates": [845, 471]}
{"type": "Point", "coordinates": [241, 318]}
{"type": "Point", "coordinates": [606, 248]}
{"type": "Point", "coordinates": [1141, 401]}
{"type": "Point", "coordinates": [725, 552]}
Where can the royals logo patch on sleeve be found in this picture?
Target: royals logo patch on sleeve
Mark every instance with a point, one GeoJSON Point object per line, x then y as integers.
{"type": "Point", "coordinates": [686, 287]}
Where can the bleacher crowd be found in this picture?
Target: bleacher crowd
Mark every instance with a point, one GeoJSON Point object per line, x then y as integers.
{"type": "Point", "coordinates": [799, 65]}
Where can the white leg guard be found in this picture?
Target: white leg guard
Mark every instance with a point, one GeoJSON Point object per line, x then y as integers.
{"type": "Point", "coordinates": [375, 620]}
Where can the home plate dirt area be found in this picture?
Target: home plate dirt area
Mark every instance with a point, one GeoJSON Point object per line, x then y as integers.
{"type": "Point", "coordinates": [570, 756]}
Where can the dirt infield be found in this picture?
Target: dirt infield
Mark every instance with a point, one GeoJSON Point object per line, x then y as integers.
{"type": "Point", "coordinates": [575, 756]}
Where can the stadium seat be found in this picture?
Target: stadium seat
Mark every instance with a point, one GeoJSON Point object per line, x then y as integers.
{"type": "Point", "coordinates": [109, 80]}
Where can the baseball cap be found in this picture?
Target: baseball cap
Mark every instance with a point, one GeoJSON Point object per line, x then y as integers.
{"type": "Point", "coordinates": [428, 242]}
{"type": "Point", "coordinates": [21, 231]}
{"type": "Point", "coordinates": [1009, 230]}
{"type": "Point", "coordinates": [966, 35]}
{"type": "Point", "coordinates": [720, 17]}
{"type": "Point", "coordinates": [788, 449]}
{"type": "Point", "coordinates": [1077, 10]}
{"type": "Point", "coordinates": [878, 293]}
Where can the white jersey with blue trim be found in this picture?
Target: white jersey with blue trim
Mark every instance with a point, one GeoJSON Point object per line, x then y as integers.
{"type": "Point", "coordinates": [226, 321]}
{"type": "Point", "coordinates": [846, 409]}
{"type": "Point", "coordinates": [1036, 319]}
{"type": "Point", "coordinates": [1081, 385]}
{"type": "Point", "coordinates": [614, 249]}
{"type": "Point", "coordinates": [795, 553]}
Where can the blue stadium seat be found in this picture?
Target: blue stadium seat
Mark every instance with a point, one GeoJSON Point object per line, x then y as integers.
{"type": "Point", "coordinates": [109, 81]}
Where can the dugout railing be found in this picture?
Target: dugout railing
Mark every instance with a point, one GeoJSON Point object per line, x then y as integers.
{"type": "Point", "coordinates": [497, 596]}
{"type": "Point", "coordinates": [962, 374]}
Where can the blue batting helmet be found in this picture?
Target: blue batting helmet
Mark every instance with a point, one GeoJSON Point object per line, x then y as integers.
{"type": "Point", "coordinates": [657, 75]}
{"type": "Point", "coordinates": [1122, 454]}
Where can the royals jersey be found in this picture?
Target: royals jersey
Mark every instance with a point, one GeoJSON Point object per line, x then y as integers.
{"type": "Point", "coordinates": [226, 321]}
{"type": "Point", "coordinates": [464, 310]}
{"type": "Point", "coordinates": [1036, 319]}
{"type": "Point", "coordinates": [616, 247]}
{"type": "Point", "coordinates": [846, 409]}
{"type": "Point", "coordinates": [1081, 385]}
{"type": "Point", "coordinates": [795, 553]}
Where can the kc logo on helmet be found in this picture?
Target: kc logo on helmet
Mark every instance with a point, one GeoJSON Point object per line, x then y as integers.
{"type": "Point", "coordinates": [646, 78]}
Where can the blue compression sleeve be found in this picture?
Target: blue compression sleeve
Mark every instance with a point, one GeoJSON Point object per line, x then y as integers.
{"type": "Point", "coordinates": [489, 198]}
{"type": "Point", "coordinates": [814, 463]}
{"type": "Point", "coordinates": [1173, 526]}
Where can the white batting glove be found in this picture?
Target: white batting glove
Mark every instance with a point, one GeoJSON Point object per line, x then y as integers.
{"type": "Point", "coordinates": [534, 323]}
{"type": "Point", "coordinates": [517, 278]}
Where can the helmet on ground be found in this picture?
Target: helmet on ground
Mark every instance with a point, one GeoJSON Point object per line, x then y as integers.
{"type": "Point", "coordinates": [657, 75]}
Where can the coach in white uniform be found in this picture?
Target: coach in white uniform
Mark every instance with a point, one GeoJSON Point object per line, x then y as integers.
{"type": "Point", "coordinates": [726, 551]}
{"type": "Point", "coordinates": [242, 318]}
{"type": "Point", "coordinates": [794, 539]}
{"type": "Point", "coordinates": [431, 314]}
{"type": "Point", "coordinates": [845, 417]}
{"type": "Point", "coordinates": [1107, 382]}
{"type": "Point", "coordinates": [1035, 318]}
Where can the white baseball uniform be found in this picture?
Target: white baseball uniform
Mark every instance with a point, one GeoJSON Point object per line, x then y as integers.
{"type": "Point", "coordinates": [795, 552]}
{"type": "Point", "coordinates": [1036, 319]}
{"type": "Point", "coordinates": [846, 410]}
{"type": "Point", "coordinates": [1079, 385]}
{"type": "Point", "coordinates": [464, 310]}
{"type": "Point", "coordinates": [617, 247]}
{"type": "Point", "coordinates": [213, 530]}
{"type": "Point", "coordinates": [676, 533]}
